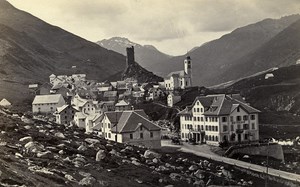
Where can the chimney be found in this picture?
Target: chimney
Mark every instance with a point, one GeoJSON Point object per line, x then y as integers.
{"type": "Point", "coordinates": [130, 55]}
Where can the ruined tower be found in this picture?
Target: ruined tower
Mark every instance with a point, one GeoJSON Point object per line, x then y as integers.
{"type": "Point", "coordinates": [130, 56]}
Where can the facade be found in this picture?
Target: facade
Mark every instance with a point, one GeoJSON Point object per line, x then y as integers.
{"type": "Point", "coordinates": [65, 114]}
{"type": "Point", "coordinates": [122, 105]}
{"type": "Point", "coordinates": [154, 93]}
{"type": "Point", "coordinates": [172, 99]}
{"type": "Point", "coordinates": [131, 127]}
{"type": "Point", "coordinates": [180, 79]}
{"type": "Point", "coordinates": [218, 118]}
{"type": "Point", "coordinates": [47, 103]}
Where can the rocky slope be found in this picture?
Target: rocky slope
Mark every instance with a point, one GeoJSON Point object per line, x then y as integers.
{"type": "Point", "coordinates": [145, 55]}
{"type": "Point", "coordinates": [260, 46]}
{"type": "Point", "coordinates": [40, 153]}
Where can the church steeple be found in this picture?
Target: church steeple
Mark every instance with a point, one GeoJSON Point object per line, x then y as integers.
{"type": "Point", "coordinates": [188, 65]}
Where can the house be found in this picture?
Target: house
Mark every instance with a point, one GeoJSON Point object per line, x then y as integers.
{"type": "Point", "coordinates": [59, 89]}
{"type": "Point", "coordinates": [269, 75]}
{"type": "Point", "coordinates": [109, 105]}
{"type": "Point", "coordinates": [110, 96]}
{"type": "Point", "coordinates": [47, 103]}
{"type": "Point", "coordinates": [79, 77]}
{"type": "Point", "coordinates": [122, 105]}
{"type": "Point", "coordinates": [65, 114]}
{"type": "Point", "coordinates": [173, 98]}
{"type": "Point", "coordinates": [44, 89]}
{"type": "Point", "coordinates": [79, 119]}
{"type": "Point", "coordinates": [218, 118]}
{"type": "Point", "coordinates": [93, 122]}
{"type": "Point", "coordinates": [180, 79]}
{"type": "Point", "coordinates": [5, 103]}
{"type": "Point", "coordinates": [132, 127]}
{"type": "Point", "coordinates": [154, 93]}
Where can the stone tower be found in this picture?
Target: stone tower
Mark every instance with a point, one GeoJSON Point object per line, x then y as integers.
{"type": "Point", "coordinates": [130, 56]}
{"type": "Point", "coordinates": [188, 71]}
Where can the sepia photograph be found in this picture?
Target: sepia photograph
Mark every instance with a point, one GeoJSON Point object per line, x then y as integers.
{"type": "Point", "coordinates": [158, 93]}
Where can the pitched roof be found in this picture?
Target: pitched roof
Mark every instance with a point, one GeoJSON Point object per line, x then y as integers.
{"type": "Point", "coordinates": [43, 99]}
{"type": "Point", "coordinates": [176, 74]}
{"type": "Point", "coordinates": [80, 115]}
{"type": "Point", "coordinates": [62, 108]}
{"type": "Point", "coordinates": [122, 103]}
{"type": "Point", "coordinates": [220, 104]}
{"type": "Point", "coordinates": [113, 116]}
{"type": "Point", "coordinates": [129, 121]}
{"type": "Point", "coordinates": [4, 102]}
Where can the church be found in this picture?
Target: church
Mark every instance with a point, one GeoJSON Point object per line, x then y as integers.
{"type": "Point", "coordinates": [180, 79]}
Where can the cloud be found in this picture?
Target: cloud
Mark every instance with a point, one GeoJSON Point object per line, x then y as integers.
{"type": "Point", "coordinates": [171, 25]}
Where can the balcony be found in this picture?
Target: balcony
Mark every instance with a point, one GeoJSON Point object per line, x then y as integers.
{"type": "Point", "coordinates": [238, 122]}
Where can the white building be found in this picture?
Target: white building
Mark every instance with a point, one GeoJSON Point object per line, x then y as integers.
{"type": "Point", "coordinates": [131, 127]}
{"type": "Point", "coordinates": [217, 118]}
{"type": "Point", "coordinates": [172, 99]}
{"type": "Point", "coordinates": [47, 103]}
{"type": "Point", "coordinates": [180, 79]}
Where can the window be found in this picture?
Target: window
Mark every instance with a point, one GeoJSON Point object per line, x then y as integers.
{"type": "Point", "coordinates": [182, 135]}
{"type": "Point", "coordinates": [213, 128]}
{"type": "Point", "coordinates": [198, 118]}
{"type": "Point", "coordinates": [224, 119]}
{"type": "Point", "coordinates": [217, 139]}
{"type": "Point", "coordinates": [232, 128]}
{"type": "Point", "coordinates": [246, 126]}
{"type": "Point", "coordinates": [206, 128]}
{"type": "Point", "coordinates": [66, 117]}
{"type": "Point", "coordinates": [202, 128]}
{"type": "Point", "coordinates": [109, 135]}
{"type": "Point", "coordinates": [238, 126]}
{"type": "Point", "coordinates": [206, 118]}
{"type": "Point", "coordinates": [151, 134]}
{"type": "Point", "coordinates": [198, 127]}
{"type": "Point", "coordinates": [198, 110]}
{"type": "Point", "coordinates": [246, 136]}
{"type": "Point", "coordinates": [245, 117]}
{"type": "Point", "coordinates": [195, 119]}
{"type": "Point", "coordinates": [201, 109]}
{"type": "Point", "coordinates": [252, 117]}
{"type": "Point", "coordinates": [238, 118]}
{"type": "Point", "coordinates": [216, 128]}
{"type": "Point", "coordinates": [141, 135]}
{"type": "Point", "coordinates": [216, 119]}
{"type": "Point", "coordinates": [225, 128]}
{"type": "Point", "coordinates": [209, 128]}
{"type": "Point", "coordinates": [141, 128]}
{"type": "Point", "coordinates": [253, 125]}
{"type": "Point", "coordinates": [238, 109]}
{"type": "Point", "coordinates": [201, 118]}
{"type": "Point", "coordinates": [231, 118]}
{"type": "Point", "coordinates": [108, 125]}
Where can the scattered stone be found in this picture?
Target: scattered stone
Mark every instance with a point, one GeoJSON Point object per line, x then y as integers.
{"type": "Point", "coordinates": [246, 156]}
{"type": "Point", "coordinates": [18, 155]}
{"type": "Point", "coordinates": [199, 174]}
{"type": "Point", "coordinates": [227, 173]}
{"type": "Point", "coordinates": [100, 155]}
{"type": "Point", "coordinates": [155, 160]}
{"type": "Point", "coordinates": [193, 168]}
{"type": "Point", "coordinates": [114, 152]}
{"type": "Point", "coordinates": [92, 141]}
{"type": "Point", "coordinates": [136, 163]}
{"type": "Point", "coordinates": [33, 147]}
{"type": "Point", "coordinates": [151, 154]}
{"type": "Point", "coordinates": [87, 181]}
{"type": "Point", "coordinates": [199, 183]}
{"type": "Point", "coordinates": [129, 148]}
{"type": "Point", "coordinates": [26, 139]}
{"type": "Point", "coordinates": [46, 154]}
{"type": "Point", "coordinates": [82, 148]}
{"type": "Point", "coordinates": [139, 181]}
{"type": "Point", "coordinates": [175, 176]}
{"type": "Point", "coordinates": [70, 178]}
{"type": "Point", "coordinates": [60, 135]}
{"type": "Point", "coordinates": [27, 127]}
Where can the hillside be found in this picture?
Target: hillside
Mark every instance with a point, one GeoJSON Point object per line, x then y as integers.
{"type": "Point", "coordinates": [145, 55]}
{"type": "Point", "coordinates": [278, 97]}
{"type": "Point", "coordinates": [223, 59]}
{"type": "Point", "coordinates": [31, 50]}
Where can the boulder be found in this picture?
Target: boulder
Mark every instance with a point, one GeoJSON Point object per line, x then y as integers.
{"type": "Point", "coordinates": [175, 176]}
{"type": "Point", "coordinates": [33, 147]}
{"type": "Point", "coordinates": [88, 181]}
{"type": "Point", "coordinates": [199, 183]}
{"type": "Point", "coordinates": [151, 154]}
{"type": "Point", "coordinates": [100, 155]}
{"type": "Point", "coordinates": [129, 148]}
{"type": "Point", "coordinates": [114, 152]}
{"type": "Point", "coordinates": [60, 135]}
{"type": "Point", "coordinates": [136, 163]}
{"type": "Point", "coordinates": [199, 174]}
{"type": "Point", "coordinates": [155, 160]}
{"type": "Point", "coordinates": [26, 139]}
{"type": "Point", "coordinates": [92, 141]}
{"type": "Point", "coordinates": [70, 178]}
{"type": "Point", "coordinates": [46, 154]}
{"type": "Point", "coordinates": [82, 148]}
{"type": "Point", "coordinates": [193, 168]}
{"type": "Point", "coordinates": [61, 152]}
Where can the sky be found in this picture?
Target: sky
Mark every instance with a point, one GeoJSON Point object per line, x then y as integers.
{"type": "Point", "coordinates": [172, 26]}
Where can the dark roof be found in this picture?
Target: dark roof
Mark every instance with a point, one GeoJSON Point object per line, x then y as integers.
{"type": "Point", "coordinates": [110, 94]}
{"type": "Point", "coordinates": [221, 104]}
{"type": "Point", "coordinates": [129, 121]}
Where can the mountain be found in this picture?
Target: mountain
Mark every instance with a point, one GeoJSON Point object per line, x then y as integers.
{"type": "Point", "coordinates": [145, 55]}
{"type": "Point", "coordinates": [277, 97]}
{"type": "Point", "coordinates": [229, 57]}
{"type": "Point", "coordinates": [31, 50]}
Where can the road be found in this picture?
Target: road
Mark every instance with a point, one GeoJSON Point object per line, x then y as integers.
{"type": "Point", "coordinates": [205, 152]}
